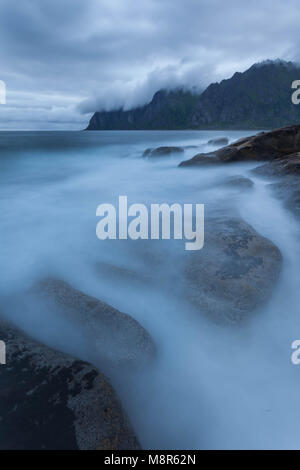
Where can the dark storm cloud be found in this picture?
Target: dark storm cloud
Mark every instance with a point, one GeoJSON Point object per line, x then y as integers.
{"type": "Point", "coordinates": [61, 58]}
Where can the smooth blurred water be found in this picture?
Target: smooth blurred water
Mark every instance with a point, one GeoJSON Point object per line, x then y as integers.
{"type": "Point", "coordinates": [211, 386]}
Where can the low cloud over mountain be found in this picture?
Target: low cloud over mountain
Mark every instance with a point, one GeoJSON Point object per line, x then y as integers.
{"type": "Point", "coordinates": [62, 58]}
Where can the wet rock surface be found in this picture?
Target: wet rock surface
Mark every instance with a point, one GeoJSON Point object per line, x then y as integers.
{"type": "Point", "coordinates": [118, 339]}
{"type": "Point", "coordinates": [49, 400]}
{"type": "Point", "coordinates": [287, 172]}
{"type": "Point", "coordinates": [202, 159]}
{"type": "Point", "coordinates": [261, 147]}
{"type": "Point", "coordinates": [288, 191]}
{"type": "Point", "coordinates": [288, 165]}
{"type": "Point", "coordinates": [234, 274]}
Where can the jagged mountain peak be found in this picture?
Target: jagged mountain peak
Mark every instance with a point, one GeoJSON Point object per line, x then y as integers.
{"type": "Point", "coordinates": [259, 98]}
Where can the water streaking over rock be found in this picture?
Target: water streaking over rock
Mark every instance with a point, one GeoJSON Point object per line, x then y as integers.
{"type": "Point", "coordinates": [200, 358]}
{"type": "Point", "coordinates": [118, 339]}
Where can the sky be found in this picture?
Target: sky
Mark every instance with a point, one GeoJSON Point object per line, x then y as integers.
{"type": "Point", "coordinates": [61, 60]}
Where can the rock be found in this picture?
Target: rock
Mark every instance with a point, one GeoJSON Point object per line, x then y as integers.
{"type": "Point", "coordinates": [261, 147]}
{"type": "Point", "coordinates": [119, 340]}
{"type": "Point", "coordinates": [49, 400]}
{"type": "Point", "coordinates": [162, 151]}
{"type": "Point", "coordinates": [239, 182]}
{"type": "Point", "coordinates": [219, 141]}
{"type": "Point", "coordinates": [287, 189]}
{"type": "Point", "coordinates": [288, 165]}
{"type": "Point", "coordinates": [208, 159]}
{"type": "Point", "coordinates": [234, 274]}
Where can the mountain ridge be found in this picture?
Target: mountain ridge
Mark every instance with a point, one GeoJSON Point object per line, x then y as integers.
{"type": "Point", "coordinates": [166, 110]}
{"type": "Point", "coordinates": [259, 98]}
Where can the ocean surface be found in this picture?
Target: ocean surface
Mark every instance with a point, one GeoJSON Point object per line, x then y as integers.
{"type": "Point", "coordinates": [211, 386]}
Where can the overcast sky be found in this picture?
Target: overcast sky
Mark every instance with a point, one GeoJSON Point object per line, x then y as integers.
{"type": "Point", "coordinates": [63, 59]}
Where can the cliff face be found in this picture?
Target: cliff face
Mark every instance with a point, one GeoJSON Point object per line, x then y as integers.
{"type": "Point", "coordinates": [257, 98]}
{"type": "Point", "coordinates": [167, 110]}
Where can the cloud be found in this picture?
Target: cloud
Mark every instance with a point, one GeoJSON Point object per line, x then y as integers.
{"type": "Point", "coordinates": [62, 58]}
{"type": "Point", "coordinates": [135, 93]}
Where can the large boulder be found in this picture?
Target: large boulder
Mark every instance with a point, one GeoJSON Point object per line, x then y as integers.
{"type": "Point", "coordinates": [118, 339]}
{"type": "Point", "coordinates": [49, 400]}
{"type": "Point", "coordinates": [234, 274]}
{"type": "Point", "coordinates": [260, 147]}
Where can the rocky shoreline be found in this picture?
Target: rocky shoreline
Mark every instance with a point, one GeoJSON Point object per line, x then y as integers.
{"type": "Point", "coordinates": [277, 150]}
{"type": "Point", "coordinates": [50, 400]}
{"type": "Point", "coordinates": [238, 270]}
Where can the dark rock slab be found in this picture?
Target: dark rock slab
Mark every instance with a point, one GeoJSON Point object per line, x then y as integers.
{"type": "Point", "coordinates": [288, 165]}
{"type": "Point", "coordinates": [49, 400]}
{"type": "Point", "coordinates": [235, 272]}
{"type": "Point", "coordinates": [261, 147]}
{"type": "Point", "coordinates": [201, 159]}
